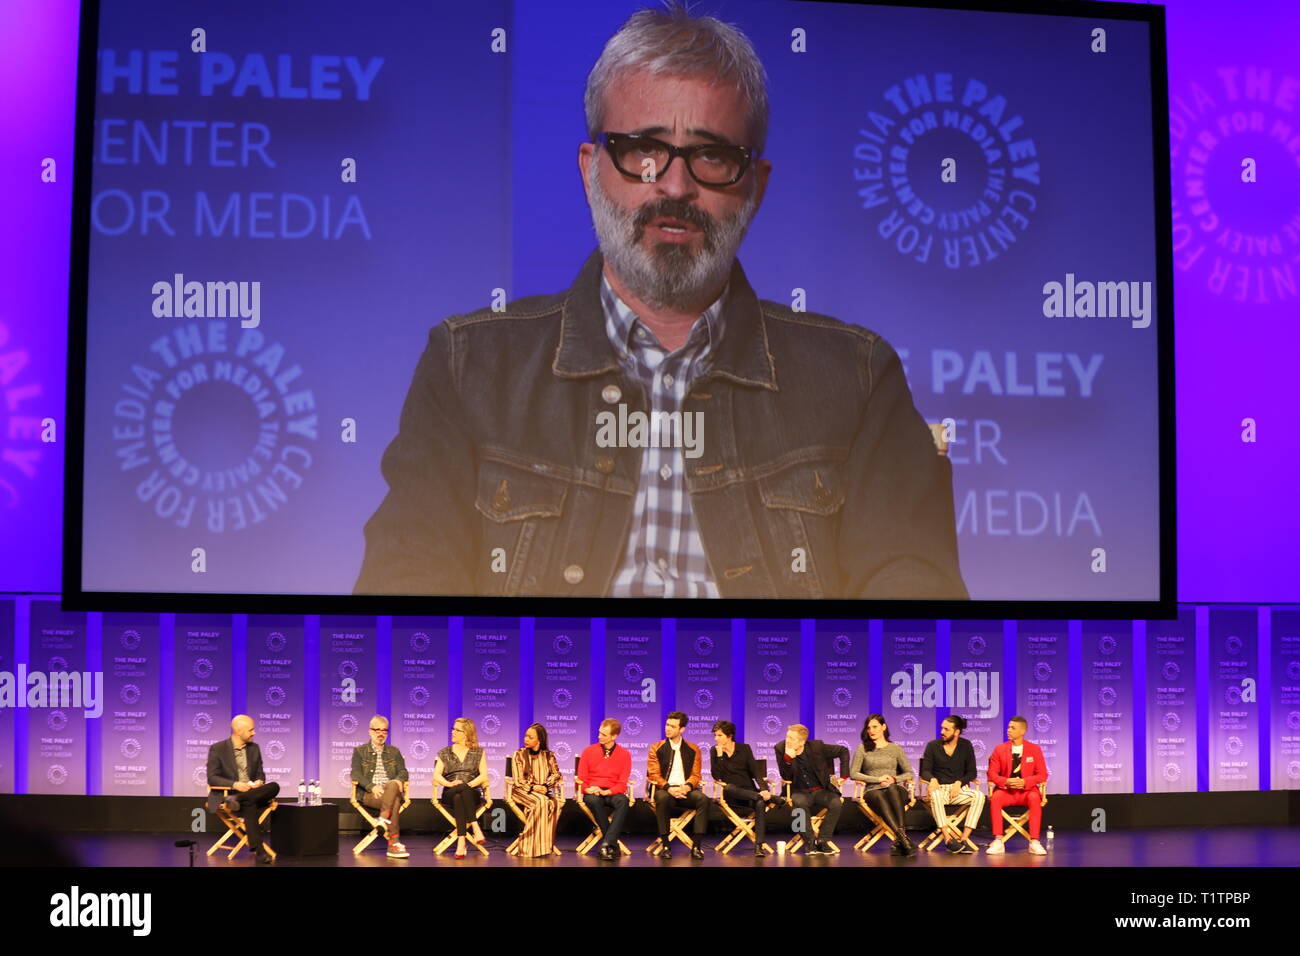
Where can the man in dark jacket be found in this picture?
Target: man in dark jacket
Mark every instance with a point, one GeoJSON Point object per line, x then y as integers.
{"type": "Point", "coordinates": [809, 765]}
{"type": "Point", "coordinates": [378, 772]}
{"type": "Point", "coordinates": [747, 786]}
{"type": "Point", "coordinates": [675, 769]}
{"type": "Point", "coordinates": [236, 762]}
{"type": "Point", "coordinates": [948, 766]}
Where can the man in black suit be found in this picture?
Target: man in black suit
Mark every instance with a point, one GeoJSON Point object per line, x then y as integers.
{"type": "Point", "coordinates": [734, 764]}
{"type": "Point", "coordinates": [236, 762]}
{"type": "Point", "coordinates": [809, 765]}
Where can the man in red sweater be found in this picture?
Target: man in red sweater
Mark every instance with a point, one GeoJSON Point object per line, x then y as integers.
{"type": "Point", "coordinates": [1016, 768]}
{"type": "Point", "coordinates": [604, 769]}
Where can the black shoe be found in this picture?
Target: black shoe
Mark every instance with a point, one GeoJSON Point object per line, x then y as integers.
{"type": "Point", "coordinates": [263, 856]}
{"type": "Point", "coordinates": [909, 848]}
{"type": "Point", "coordinates": [897, 849]}
{"type": "Point", "coordinates": [953, 846]}
{"type": "Point", "coordinates": [608, 852]}
{"type": "Point", "coordinates": [961, 847]}
{"type": "Point", "coordinates": [697, 851]}
{"type": "Point", "coordinates": [821, 847]}
{"type": "Point", "coordinates": [665, 851]}
{"type": "Point", "coordinates": [759, 851]}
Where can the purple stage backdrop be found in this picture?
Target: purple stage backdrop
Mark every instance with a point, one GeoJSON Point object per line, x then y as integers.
{"type": "Point", "coordinates": [910, 650]}
{"type": "Point", "coordinates": [562, 687]}
{"type": "Point", "coordinates": [490, 689]}
{"type": "Point", "coordinates": [348, 696]}
{"type": "Point", "coordinates": [704, 680]}
{"type": "Point", "coordinates": [841, 683]}
{"type": "Point", "coordinates": [129, 741]}
{"type": "Point", "coordinates": [773, 697]}
{"type": "Point", "coordinates": [56, 735]}
{"type": "Point", "coordinates": [418, 724]}
{"type": "Point", "coordinates": [7, 666]}
{"type": "Point", "coordinates": [1043, 695]}
{"type": "Point", "coordinates": [1107, 707]}
{"type": "Point", "coordinates": [1284, 716]}
{"type": "Point", "coordinates": [1233, 704]}
{"type": "Point", "coordinates": [1171, 704]}
{"type": "Point", "coordinates": [277, 681]}
{"type": "Point", "coordinates": [201, 705]}
{"type": "Point", "coordinates": [976, 671]}
{"type": "Point", "coordinates": [633, 676]}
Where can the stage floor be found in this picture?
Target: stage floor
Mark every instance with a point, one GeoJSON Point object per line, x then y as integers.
{"type": "Point", "coordinates": [1176, 847]}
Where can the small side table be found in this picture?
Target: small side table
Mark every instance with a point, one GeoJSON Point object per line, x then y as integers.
{"type": "Point", "coordinates": [305, 831]}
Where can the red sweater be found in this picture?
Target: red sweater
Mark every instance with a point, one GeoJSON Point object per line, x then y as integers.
{"type": "Point", "coordinates": [608, 773]}
{"type": "Point", "coordinates": [1033, 768]}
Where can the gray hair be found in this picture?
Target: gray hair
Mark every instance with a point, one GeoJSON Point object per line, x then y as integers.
{"type": "Point", "coordinates": [671, 42]}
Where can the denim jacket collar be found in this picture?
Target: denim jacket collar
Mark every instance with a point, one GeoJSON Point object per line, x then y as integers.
{"type": "Point", "coordinates": [742, 356]}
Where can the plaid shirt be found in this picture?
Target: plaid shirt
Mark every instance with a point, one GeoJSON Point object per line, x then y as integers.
{"type": "Point", "coordinates": [664, 556]}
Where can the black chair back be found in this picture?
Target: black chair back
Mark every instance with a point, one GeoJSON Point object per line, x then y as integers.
{"type": "Point", "coordinates": [510, 768]}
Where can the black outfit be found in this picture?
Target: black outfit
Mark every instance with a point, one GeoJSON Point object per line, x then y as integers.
{"type": "Point", "coordinates": [223, 771]}
{"type": "Point", "coordinates": [888, 803]}
{"type": "Point", "coordinates": [811, 774]}
{"type": "Point", "coordinates": [744, 779]}
{"type": "Point", "coordinates": [959, 768]}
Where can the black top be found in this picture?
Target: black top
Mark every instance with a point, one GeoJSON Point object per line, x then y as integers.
{"type": "Point", "coordinates": [818, 764]}
{"type": "Point", "coordinates": [739, 770]}
{"type": "Point", "coordinates": [959, 768]}
{"type": "Point", "coordinates": [1015, 762]}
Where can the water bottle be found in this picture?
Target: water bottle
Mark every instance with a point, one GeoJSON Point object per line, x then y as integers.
{"type": "Point", "coordinates": [1051, 835]}
{"type": "Point", "coordinates": [313, 794]}
{"type": "Point", "coordinates": [302, 793]}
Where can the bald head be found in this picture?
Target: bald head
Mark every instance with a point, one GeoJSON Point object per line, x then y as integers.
{"type": "Point", "coordinates": [242, 730]}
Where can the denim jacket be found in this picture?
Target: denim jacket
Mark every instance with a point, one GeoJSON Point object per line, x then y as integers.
{"type": "Point", "coordinates": [818, 477]}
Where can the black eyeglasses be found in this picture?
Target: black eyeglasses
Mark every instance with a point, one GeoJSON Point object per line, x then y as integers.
{"type": "Point", "coordinates": [647, 158]}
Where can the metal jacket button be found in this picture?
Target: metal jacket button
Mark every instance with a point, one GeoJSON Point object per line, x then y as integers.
{"type": "Point", "coordinates": [605, 464]}
{"type": "Point", "coordinates": [574, 574]}
{"type": "Point", "coordinates": [611, 394]}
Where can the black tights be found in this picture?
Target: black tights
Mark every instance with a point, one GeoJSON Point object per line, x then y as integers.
{"type": "Point", "coordinates": [888, 803]}
{"type": "Point", "coordinates": [464, 801]}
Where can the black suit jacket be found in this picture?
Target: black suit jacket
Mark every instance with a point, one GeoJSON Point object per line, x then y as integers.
{"type": "Point", "coordinates": [822, 757]}
{"type": "Point", "coordinates": [742, 770]}
{"type": "Point", "coordinates": [222, 770]}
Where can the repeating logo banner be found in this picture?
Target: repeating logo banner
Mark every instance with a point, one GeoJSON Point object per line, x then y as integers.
{"type": "Point", "coordinates": [490, 689]}
{"type": "Point", "coordinates": [1043, 695]}
{"type": "Point", "coordinates": [1234, 704]}
{"type": "Point", "coordinates": [201, 707]}
{"type": "Point", "coordinates": [418, 723]}
{"type": "Point", "coordinates": [1284, 717]}
{"type": "Point", "coordinates": [7, 713]}
{"type": "Point", "coordinates": [772, 684]}
{"type": "Point", "coordinates": [348, 696]}
{"type": "Point", "coordinates": [276, 690]}
{"type": "Point", "coordinates": [973, 685]}
{"type": "Point", "coordinates": [562, 687]}
{"type": "Point", "coordinates": [842, 683]}
{"type": "Point", "coordinates": [1107, 689]}
{"type": "Point", "coordinates": [909, 654]}
{"type": "Point", "coordinates": [633, 675]}
{"type": "Point", "coordinates": [704, 679]}
{"type": "Point", "coordinates": [129, 744]}
{"type": "Point", "coordinates": [56, 730]}
{"type": "Point", "coordinates": [1171, 704]}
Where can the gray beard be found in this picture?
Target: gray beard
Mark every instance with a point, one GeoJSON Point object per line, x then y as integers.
{"type": "Point", "coordinates": [672, 276]}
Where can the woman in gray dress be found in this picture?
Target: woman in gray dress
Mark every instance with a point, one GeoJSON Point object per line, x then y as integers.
{"type": "Point", "coordinates": [882, 767]}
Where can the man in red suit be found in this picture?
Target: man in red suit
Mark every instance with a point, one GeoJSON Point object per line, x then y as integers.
{"type": "Point", "coordinates": [1017, 768]}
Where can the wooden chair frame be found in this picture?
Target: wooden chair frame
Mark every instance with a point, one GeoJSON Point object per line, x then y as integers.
{"type": "Point", "coordinates": [235, 825]}
{"type": "Point", "coordinates": [1017, 821]}
{"type": "Point", "coordinates": [676, 825]}
{"type": "Point", "coordinates": [744, 826]}
{"type": "Point", "coordinates": [593, 838]}
{"type": "Point", "coordinates": [879, 828]}
{"type": "Point", "coordinates": [450, 838]}
{"type": "Point", "coordinates": [955, 821]}
{"type": "Point", "coordinates": [373, 819]}
{"type": "Point", "coordinates": [814, 822]}
{"type": "Point", "coordinates": [518, 811]}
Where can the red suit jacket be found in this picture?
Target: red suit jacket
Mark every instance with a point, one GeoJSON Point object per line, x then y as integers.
{"type": "Point", "coordinates": [1033, 768]}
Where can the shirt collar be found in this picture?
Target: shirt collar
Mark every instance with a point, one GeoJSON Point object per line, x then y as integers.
{"type": "Point", "coordinates": [622, 324]}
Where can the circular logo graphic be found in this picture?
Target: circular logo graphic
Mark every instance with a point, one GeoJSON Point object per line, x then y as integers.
{"type": "Point", "coordinates": [348, 669]}
{"type": "Point", "coordinates": [632, 673]}
{"type": "Point", "coordinates": [703, 699]}
{"type": "Point", "coordinates": [491, 671]}
{"type": "Point", "coordinates": [909, 723]}
{"type": "Point", "coordinates": [418, 695]}
{"type": "Point", "coordinates": [202, 722]}
{"type": "Point", "coordinates": [562, 751]}
{"type": "Point", "coordinates": [344, 778]}
{"type": "Point", "coordinates": [906, 136]}
{"type": "Point", "coordinates": [276, 642]}
{"type": "Point", "coordinates": [490, 725]}
{"type": "Point", "coordinates": [1293, 670]}
{"type": "Point", "coordinates": [200, 776]}
{"type": "Point", "coordinates": [130, 748]}
{"type": "Point", "coordinates": [1107, 697]}
{"type": "Point", "coordinates": [203, 668]}
{"type": "Point", "coordinates": [1171, 721]}
{"type": "Point", "coordinates": [979, 747]}
{"type": "Point", "coordinates": [1234, 745]}
{"type": "Point", "coordinates": [1233, 645]}
{"type": "Point", "coordinates": [562, 698]}
{"type": "Point", "coordinates": [348, 724]}
{"type": "Point", "coordinates": [1042, 671]}
{"type": "Point", "coordinates": [976, 646]}
{"type": "Point", "coordinates": [772, 725]}
{"type": "Point", "coordinates": [130, 639]}
{"type": "Point", "coordinates": [1172, 772]}
{"type": "Point", "coordinates": [703, 645]}
{"type": "Point", "coordinates": [1042, 723]}
{"type": "Point", "coordinates": [1108, 747]}
{"type": "Point", "coordinates": [1293, 770]}
{"type": "Point", "coordinates": [772, 672]}
{"type": "Point", "coordinates": [494, 778]}
{"type": "Point", "coordinates": [1170, 670]}
{"type": "Point", "coordinates": [419, 750]}
{"type": "Point", "coordinates": [562, 644]}
{"type": "Point", "coordinates": [216, 418]}
{"type": "Point", "coordinates": [1107, 645]}
{"type": "Point", "coordinates": [633, 726]}
{"type": "Point", "coordinates": [842, 644]}
{"type": "Point", "coordinates": [57, 665]}
{"type": "Point", "coordinates": [1232, 694]}
{"type": "Point", "coordinates": [57, 774]}
{"type": "Point", "coordinates": [275, 695]}
{"type": "Point", "coordinates": [841, 697]}
{"type": "Point", "coordinates": [634, 781]}
{"type": "Point", "coordinates": [1293, 720]}
{"type": "Point", "coordinates": [275, 749]}
{"type": "Point", "coordinates": [130, 694]}
{"type": "Point", "coordinates": [419, 642]}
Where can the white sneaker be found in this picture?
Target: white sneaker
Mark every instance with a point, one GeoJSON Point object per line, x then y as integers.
{"type": "Point", "coordinates": [396, 851]}
{"type": "Point", "coordinates": [995, 847]}
{"type": "Point", "coordinates": [1036, 848]}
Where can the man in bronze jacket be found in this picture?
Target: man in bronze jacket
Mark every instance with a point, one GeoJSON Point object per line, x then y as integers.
{"type": "Point", "coordinates": [674, 768]}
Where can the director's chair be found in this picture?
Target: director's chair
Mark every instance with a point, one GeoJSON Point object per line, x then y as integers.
{"type": "Point", "coordinates": [522, 814]}
{"type": "Point", "coordinates": [593, 838]}
{"type": "Point", "coordinates": [744, 825]}
{"type": "Point", "coordinates": [1017, 820]}
{"type": "Point", "coordinates": [676, 825]}
{"type": "Point", "coordinates": [956, 820]}
{"type": "Point", "coordinates": [879, 828]}
{"type": "Point", "coordinates": [450, 838]}
{"type": "Point", "coordinates": [235, 825]}
{"type": "Point", "coordinates": [373, 819]}
{"type": "Point", "coordinates": [814, 822]}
